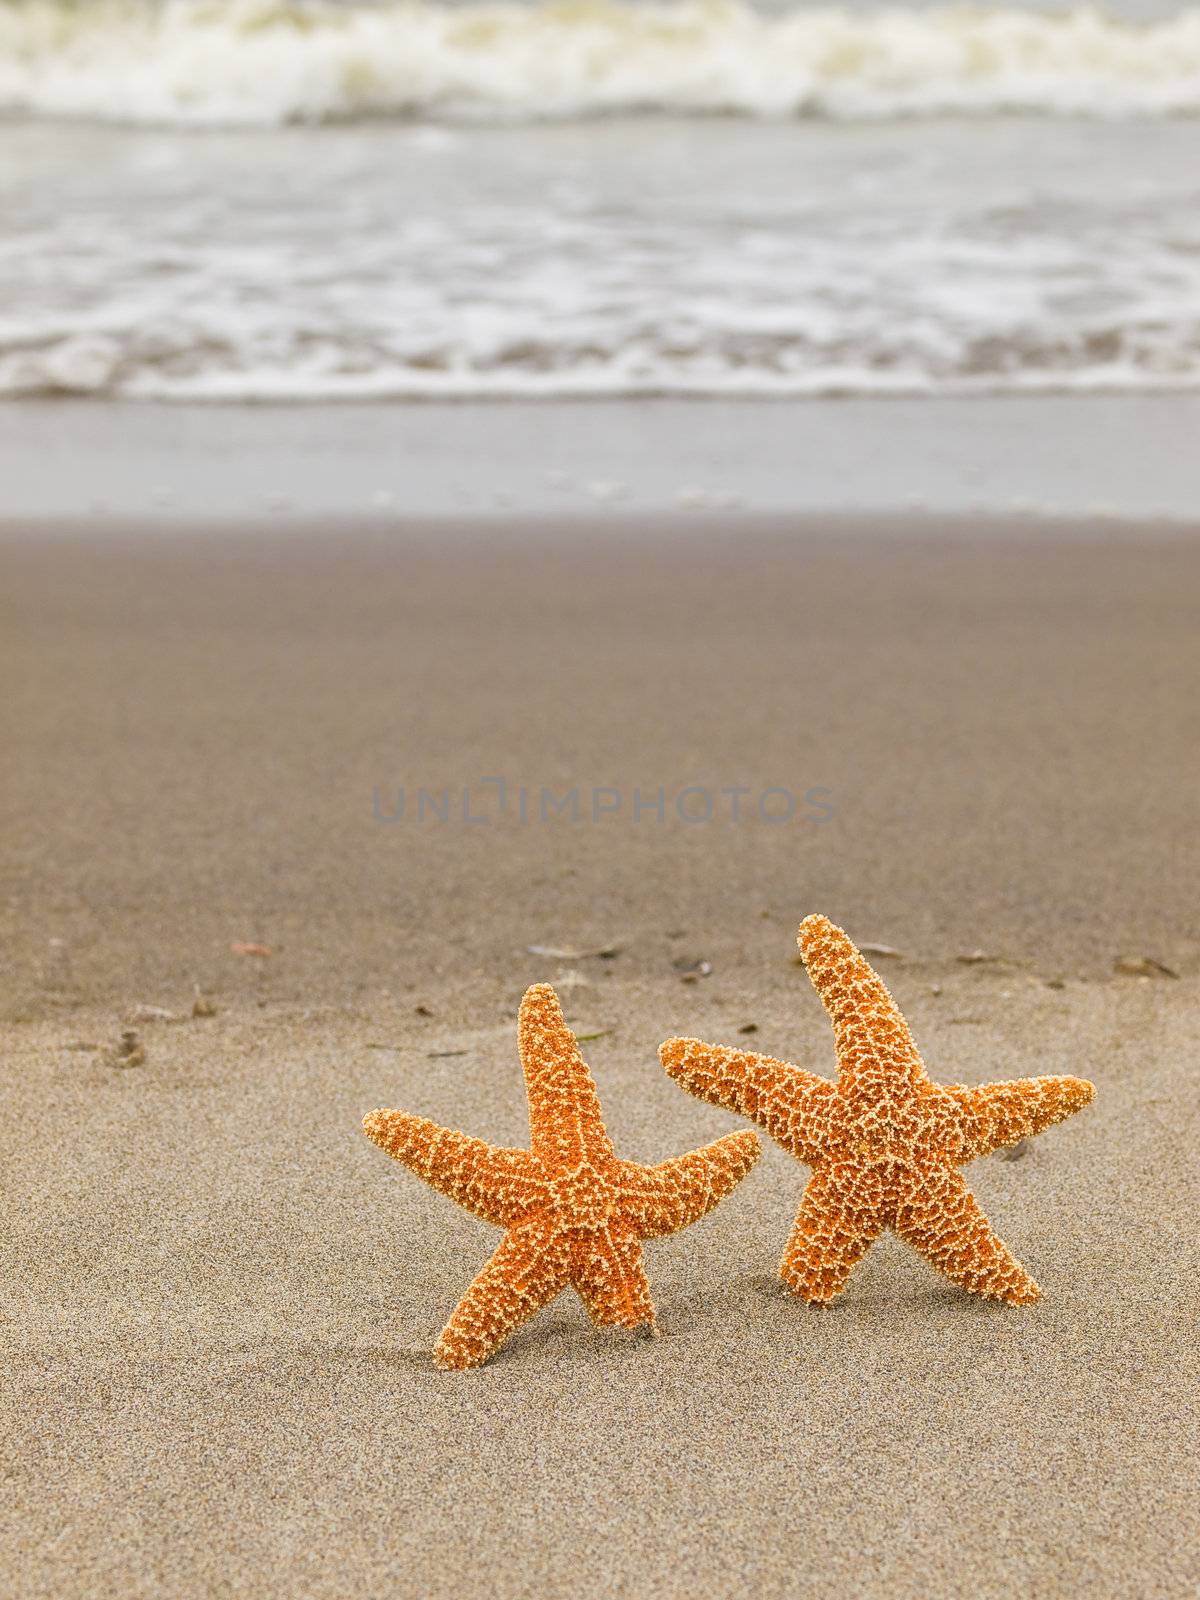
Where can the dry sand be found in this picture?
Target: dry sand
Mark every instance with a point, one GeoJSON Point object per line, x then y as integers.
{"type": "Point", "coordinates": [218, 1298]}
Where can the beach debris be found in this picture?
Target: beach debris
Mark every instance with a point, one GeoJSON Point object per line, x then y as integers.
{"type": "Point", "coordinates": [596, 1033]}
{"type": "Point", "coordinates": [1143, 967]}
{"type": "Point", "coordinates": [748, 1027]}
{"type": "Point", "coordinates": [82, 1045]}
{"type": "Point", "coordinates": [935, 989]}
{"type": "Point", "coordinates": [441, 1055]}
{"type": "Point", "coordinates": [144, 1013]}
{"type": "Point", "coordinates": [203, 1005]}
{"type": "Point", "coordinates": [881, 1099]}
{"type": "Point", "coordinates": [422, 1011]}
{"type": "Point", "coordinates": [885, 950]}
{"type": "Point", "coordinates": [1056, 983]}
{"type": "Point", "coordinates": [130, 1052]}
{"type": "Point", "coordinates": [690, 968]}
{"type": "Point", "coordinates": [553, 952]}
{"type": "Point", "coordinates": [977, 958]}
{"type": "Point", "coordinates": [245, 947]}
{"type": "Point", "coordinates": [1014, 1151]}
{"type": "Point", "coordinates": [554, 1197]}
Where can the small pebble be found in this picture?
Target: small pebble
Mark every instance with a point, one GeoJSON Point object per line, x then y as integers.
{"type": "Point", "coordinates": [131, 1052]}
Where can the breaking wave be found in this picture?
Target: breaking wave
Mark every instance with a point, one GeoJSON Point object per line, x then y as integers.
{"type": "Point", "coordinates": [264, 63]}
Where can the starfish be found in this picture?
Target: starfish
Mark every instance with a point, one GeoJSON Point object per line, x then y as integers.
{"type": "Point", "coordinates": [573, 1212]}
{"type": "Point", "coordinates": [884, 1142]}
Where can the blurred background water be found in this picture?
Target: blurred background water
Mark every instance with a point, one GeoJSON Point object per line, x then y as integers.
{"type": "Point", "coordinates": [231, 200]}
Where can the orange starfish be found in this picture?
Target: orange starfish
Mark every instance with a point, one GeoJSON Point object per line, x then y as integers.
{"type": "Point", "coordinates": [575, 1214]}
{"type": "Point", "coordinates": [884, 1141]}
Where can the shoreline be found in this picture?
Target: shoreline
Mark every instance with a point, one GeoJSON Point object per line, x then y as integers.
{"type": "Point", "coordinates": [1048, 457]}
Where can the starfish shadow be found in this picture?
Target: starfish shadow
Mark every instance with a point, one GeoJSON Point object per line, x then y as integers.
{"type": "Point", "coordinates": [940, 1297]}
{"type": "Point", "coordinates": [383, 1355]}
{"type": "Point", "coordinates": [922, 1295]}
{"type": "Point", "coordinates": [768, 1284]}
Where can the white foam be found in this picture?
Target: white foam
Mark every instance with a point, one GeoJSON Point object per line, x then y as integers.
{"type": "Point", "coordinates": [260, 62]}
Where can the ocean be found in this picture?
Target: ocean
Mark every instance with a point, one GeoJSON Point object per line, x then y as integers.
{"type": "Point", "coordinates": [235, 200]}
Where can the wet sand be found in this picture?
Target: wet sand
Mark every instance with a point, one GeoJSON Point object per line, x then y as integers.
{"type": "Point", "coordinates": [219, 1297]}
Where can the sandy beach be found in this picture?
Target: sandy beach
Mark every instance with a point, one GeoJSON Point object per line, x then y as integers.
{"type": "Point", "coordinates": [218, 1298]}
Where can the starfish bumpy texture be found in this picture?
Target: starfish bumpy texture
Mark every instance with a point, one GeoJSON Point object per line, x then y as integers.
{"type": "Point", "coordinates": [884, 1142]}
{"type": "Point", "coordinates": [574, 1213]}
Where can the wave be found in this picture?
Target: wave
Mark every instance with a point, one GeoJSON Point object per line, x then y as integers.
{"type": "Point", "coordinates": [249, 63]}
{"type": "Point", "coordinates": [1108, 360]}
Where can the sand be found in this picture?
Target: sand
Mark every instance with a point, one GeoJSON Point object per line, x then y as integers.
{"type": "Point", "coordinates": [218, 1298]}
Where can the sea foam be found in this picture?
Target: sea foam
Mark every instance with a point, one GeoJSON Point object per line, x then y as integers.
{"type": "Point", "coordinates": [253, 62]}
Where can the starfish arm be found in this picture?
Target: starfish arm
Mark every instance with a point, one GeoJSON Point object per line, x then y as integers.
{"type": "Point", "coordinates": [610, 1278]}
{"type": "Point", "coordinates": [1000, 1114]}
{"type": "Point", "coordinates": [676, 1193]}
{"type": "Point", "coordinates": [868, 1028]}
{"type": "Point", "coordinates": [943, 1221]}
{"type": "Point", "coordinates": [526, 1272]}
{"type": "Point", "coordinates": [501, 1186]}
{"type": "Point", "coordinates": [838, 1221]}
{"type": "Point", "coordinates": [791, 1105]}
{"type": "Point", "coordinates": [566, 1125]}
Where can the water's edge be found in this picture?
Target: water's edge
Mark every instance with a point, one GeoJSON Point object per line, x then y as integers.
{"type": "Point", "coordinates": [1094, 457]}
